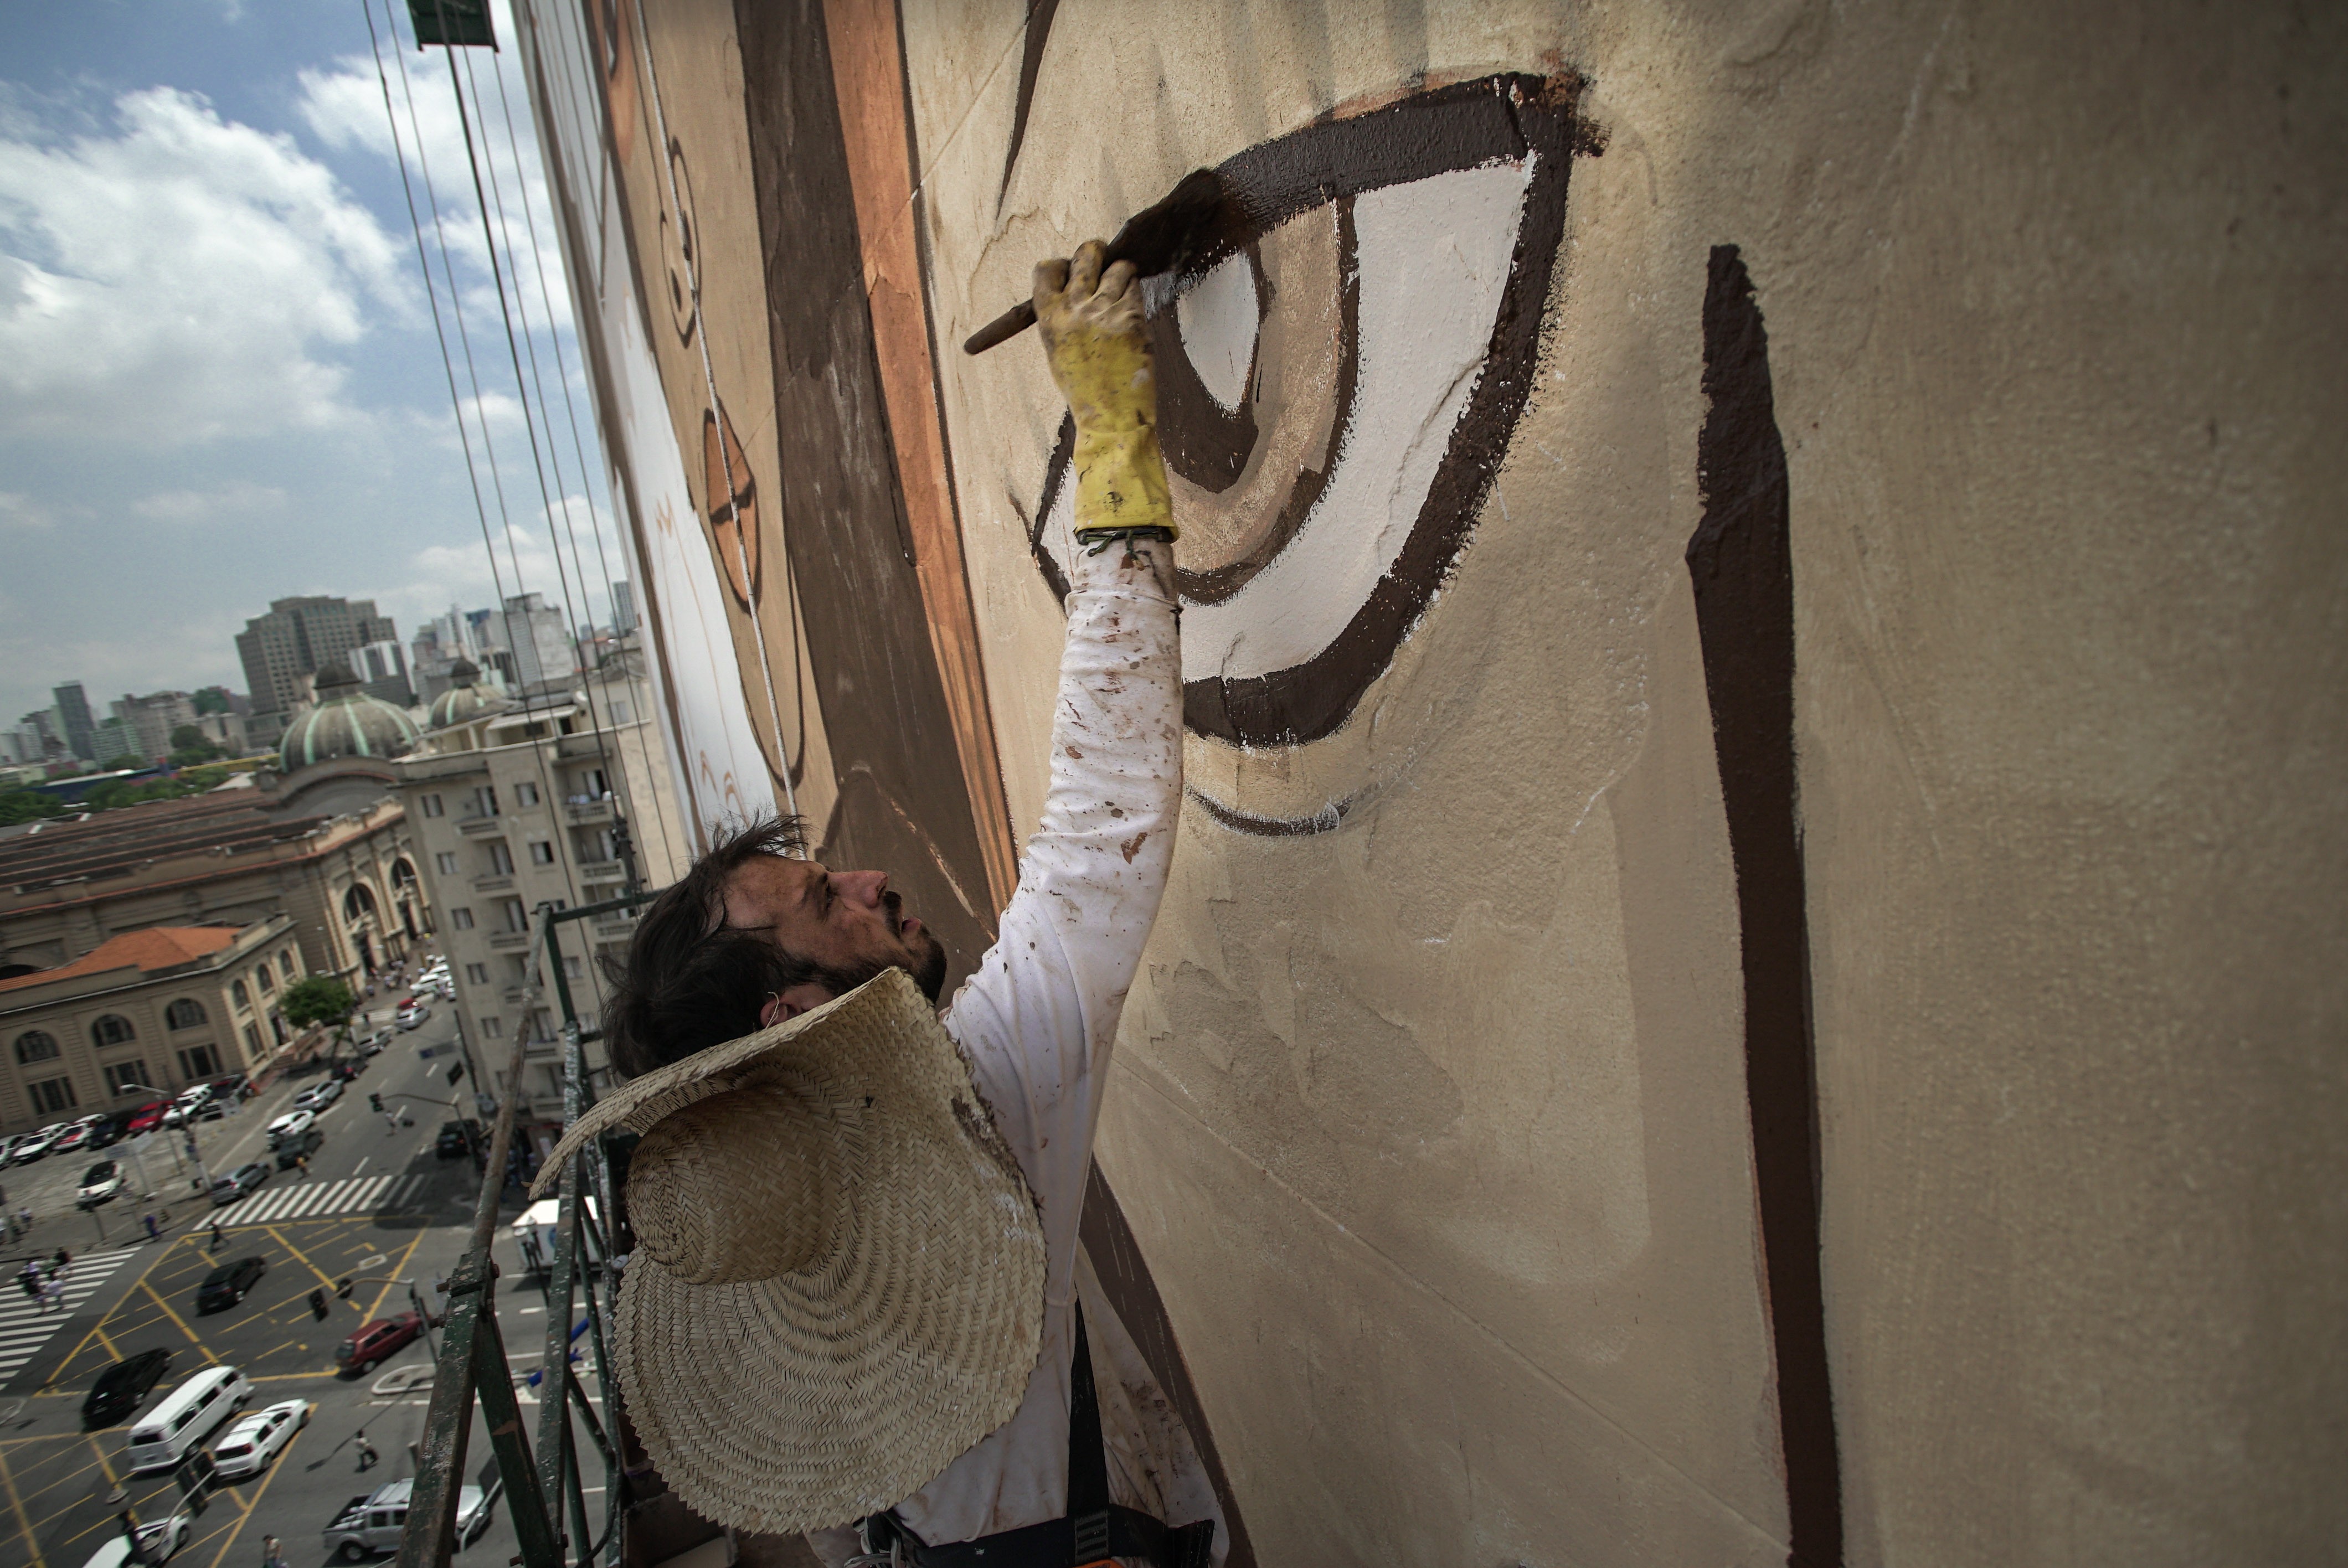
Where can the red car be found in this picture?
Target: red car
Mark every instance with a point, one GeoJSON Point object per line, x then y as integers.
{"type": "Point", "coordinates": [150, 1117]}
{"type": "Point", "coordinates": [376, 1342]}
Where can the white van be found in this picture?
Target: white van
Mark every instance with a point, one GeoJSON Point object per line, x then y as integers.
{"type": "Point", "coordinates": [187, 1415]}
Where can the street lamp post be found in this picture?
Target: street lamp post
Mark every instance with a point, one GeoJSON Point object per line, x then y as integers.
{"type": "Point", "coordinates": [188, 1126]}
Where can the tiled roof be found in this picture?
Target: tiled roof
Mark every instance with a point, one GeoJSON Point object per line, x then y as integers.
{"type": "Point", "coordinates": [156, 947]}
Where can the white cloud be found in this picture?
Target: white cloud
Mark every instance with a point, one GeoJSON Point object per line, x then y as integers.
{"type": "Point", "coordinates": [240, 497]}
{"type": "Point", "coordinates": [177, 276]}
{"type": "Point", "coordinates": [343, 106]}
{"type": "Point", "coordinates": [19, 510]}
{"type": "Point", "coordinates": [442, 575]}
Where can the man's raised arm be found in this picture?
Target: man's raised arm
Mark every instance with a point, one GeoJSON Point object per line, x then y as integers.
{"type": "Point", "coordinates": [1039, 1014]}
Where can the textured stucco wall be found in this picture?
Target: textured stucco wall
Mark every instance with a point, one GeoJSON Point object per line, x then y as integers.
{"type": "Point", "coordinates": [1434, 1124]}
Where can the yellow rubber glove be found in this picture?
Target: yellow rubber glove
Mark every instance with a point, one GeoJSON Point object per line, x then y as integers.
{"type": "Point", "coordinates": [1091, 323]}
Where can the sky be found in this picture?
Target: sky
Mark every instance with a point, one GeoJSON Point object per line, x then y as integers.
{"type": "Point", "coordinates": [219, 379]}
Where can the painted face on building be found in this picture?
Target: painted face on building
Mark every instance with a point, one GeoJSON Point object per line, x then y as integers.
{"type": "Point", "coordinates": [1341, 363]}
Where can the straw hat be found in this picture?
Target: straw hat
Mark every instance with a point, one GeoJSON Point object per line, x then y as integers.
{"type": "Point", "coordinates": [838, 1285]}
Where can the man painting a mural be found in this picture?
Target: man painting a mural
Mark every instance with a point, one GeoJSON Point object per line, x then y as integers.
{"type": "Point", "coordinates": [855, 1308]}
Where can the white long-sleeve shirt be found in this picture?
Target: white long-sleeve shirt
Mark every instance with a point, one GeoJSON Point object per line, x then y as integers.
{"type": "Point", "coordinates": [1038, 1019]}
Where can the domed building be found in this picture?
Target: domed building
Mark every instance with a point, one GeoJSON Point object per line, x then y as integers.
{"type": "Point", "coordinates": [465, 700]}
{"type": "Point", "coordinates": [346, 722]}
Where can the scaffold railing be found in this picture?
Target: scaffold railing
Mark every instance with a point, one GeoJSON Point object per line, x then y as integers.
{"type": "Point", "coordinates": [541, 1479]}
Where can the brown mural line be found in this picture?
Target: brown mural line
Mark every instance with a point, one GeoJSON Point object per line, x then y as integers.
{"type": "Point", "coordinates": [1125, 1279]}
{"type": "Point", "coordinates": [1031, 66]}
{"type": "Point", "coordinates": [881, 694]}
{"type": "Point", "coordinates": [876, 124]}
{"type": "Point", "coordinates": [1740, 561]}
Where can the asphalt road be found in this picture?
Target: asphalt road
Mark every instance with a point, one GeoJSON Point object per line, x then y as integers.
{"type": "Point", "coordinates": [377, 1207]}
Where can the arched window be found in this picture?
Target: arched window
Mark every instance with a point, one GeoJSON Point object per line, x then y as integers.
{"type": "Point", "coordinates": [267, 985]}
{"type": "Point", "coordinates": [112, 1029]}
{"type": "Point", "coordinates": [358, 903]}
{"type": "Point", "coordinates": [36, 1045]}
{"type": "Point", "coordinates": [237, 994]}
{"type": "Point", "coordinates": [402, 874]}
{"type": "Point", "coordinates": [286, 963]}
{"type": "Point", "coordinates": [186, 1013]}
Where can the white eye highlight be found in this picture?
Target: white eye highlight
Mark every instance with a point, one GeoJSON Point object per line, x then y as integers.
{"type": "Point", "coordinates": [1434, 257]}
{"type": "Point", "coordinates": [1217, 317]}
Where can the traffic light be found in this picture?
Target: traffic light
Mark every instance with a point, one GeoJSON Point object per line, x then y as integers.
{"type": "Point", "coordinates": [342, 1290]}
{"type": "Point", "coordinates": [318, 1305]}
{"type": "Point", "coordinates": [374, 1098]}
{"type": "Point", "coordinates": [456, 1072]}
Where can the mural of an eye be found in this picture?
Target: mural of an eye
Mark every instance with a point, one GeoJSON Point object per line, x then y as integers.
{"type": "Point", "coordinates": [733, 499]}
{"type": "Point", "coordinates": [1340, 370]}
{"type": "Point", "coordinates": [683, 280]}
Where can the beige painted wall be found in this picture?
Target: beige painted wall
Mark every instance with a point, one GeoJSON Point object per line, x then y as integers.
{"type": "Point", "coordinates": [1433, 1127]}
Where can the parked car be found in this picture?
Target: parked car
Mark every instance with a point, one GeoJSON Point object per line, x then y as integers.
{"type": "Point", "coordinates": [226, 1285]}
{"type": "Point", "coordinates": [258, 1437]}
{"type": "Point", "coordinates": [74, 1137]}
{"type": "Point", "coordinates": [228, 1189]}
{"type": "Point", "coordinates": [377, 1342]}
{"type": "Point", "coordinates": [123, 1388]}
{"type": "Point", "coordinates": [451, 1144]}
{"type": "Point", "coordinates": [291, 1151]}
{"type": "Point", "coordinates": [158, 1543]}
{"type": "Point", "coordinates": [318, 1096]}
{"type": "Point", "coordinates": [344, 1071]}
{"type": "Point", "coordinates": [101, 1184]}
{"type": "Point", "coordinates": [374, 1043]}
{"type": "Point", "coordinates": [293, 1124]}
{"type": "Point", "coordinates": [37, 1144]}
{"type": "Point", "coordinates": [232, 1087]}
{"type": "Point", "coordinates": [369, 1524]}
{"type": "Point", "coordinates": [104, 1133]}
{"type": "Point", "coordinates": [148, 1117]}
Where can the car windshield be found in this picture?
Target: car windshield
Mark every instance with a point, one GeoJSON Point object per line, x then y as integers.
{"type": "Point", "coordinates": [99, 1173]}
{"type": "Point", "coordinates": [220, 1275]}
{"type": "Point", "coordinates": [348, 1347]}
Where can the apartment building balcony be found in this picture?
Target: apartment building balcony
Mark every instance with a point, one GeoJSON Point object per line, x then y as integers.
{"type": "Point", "coordinates": [481, 825]}
{"type": "Point", "coordinates": [601, 871]}
{"type": "Point", "coordinates": [514, 996]}
{"type": "Point", "coordinates": [510, 942]}
{"type": "Point", "coordinates": [500, 883]}
{"type": "Point", "coordinates": [617, 924]}
{"type": "Point", "coordinates": [589, 809]}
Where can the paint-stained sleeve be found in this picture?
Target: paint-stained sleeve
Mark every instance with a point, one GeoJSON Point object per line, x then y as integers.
{"type": "Point", "coordinates": [1038, 1015]}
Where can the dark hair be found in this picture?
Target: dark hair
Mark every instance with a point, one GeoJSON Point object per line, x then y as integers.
{"type": "Point", "coordinates": [687, 982]}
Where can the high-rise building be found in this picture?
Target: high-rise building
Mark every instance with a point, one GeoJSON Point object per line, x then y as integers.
{"type": "Point", "coordinates": [153, 719]}
{"type": "Point", "coordinates": [623, 609]}
{"type": "Point", "coordinates": [540, 638]}
{"type": "Point", "coordinates": [382, 667]}
{"type": "Point", "coordinates": [299, 637]}
{"type": "Point", "coordinates": [73, 714]}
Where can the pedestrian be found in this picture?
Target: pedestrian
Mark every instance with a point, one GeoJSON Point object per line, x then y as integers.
{"type": "Point", "coordinates": [391, 1121]}
{"type": "Point", "coordinates": [64, 1261]}
{"type": "Point", "coordinates": [149, 1221]}
{"type": "Point", "coordinates": [272, 1555]}
{"type": "Point", "coordinates": [216, 1238]}
{"type": "Point", "coordinates": [302, 1166]}
{"type": "Point", "coordinates": [26, 1218]}
{"type": "Point", "coordinates": [30, 1283]}
{"type": "Point", "coordinates": [367, 1455]}
{"type": "Point", "coordinates": [52, 1294]}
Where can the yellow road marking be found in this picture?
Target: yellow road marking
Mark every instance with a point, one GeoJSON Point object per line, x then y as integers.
{"type": "Point", "coordinates": [69, 1475]}
{"type": "Point", "coordinates": [23, 1521]}
{"type": "Point", "coordinates": [397, 1269]}
{"type": "Point", "coordinates": [304, 1258]}
{"type": "Point", "coordinates": [98, 1328]}
{"type": "Point", "coordinates": [175, 1318]}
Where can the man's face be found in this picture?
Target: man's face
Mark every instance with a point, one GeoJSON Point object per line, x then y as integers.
{"type": "Point", "coordinates": [845, 922]}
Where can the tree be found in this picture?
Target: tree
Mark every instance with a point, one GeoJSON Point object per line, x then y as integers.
{"type": "Point", "coordinates": [189, 747]}
{"type": "Point", "coordinates": [319, 998]}
{"type": "Point", "coordinates": [22, 806]}
{"type": "Point", "coordinates": [124, 763]}
{"type": "Point", "coordinates": [210, 699]}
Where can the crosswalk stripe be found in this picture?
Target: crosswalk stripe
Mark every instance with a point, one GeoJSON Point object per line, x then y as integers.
{"type": "Point", "coordinates": [24, 1327]}
{"type": "Point", "coordinates": [373, 1196]}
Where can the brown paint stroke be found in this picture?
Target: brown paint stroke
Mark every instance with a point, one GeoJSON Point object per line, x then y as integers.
{"type": "Point", "coordinates": [1328, 819]}
{"type": "Point", "coordinates": [1202, 442]}
{"type": "Point", "coordinates": [843, 514]}
{"type": "Point", "coordinates": [1031, 66]}
{"type": "Point", "coordinates": [1741, 562]}
{"type": "Point", "coordinates": [876, 124]}
{"type": "Point", "coordinates": [1125, 1280]}
{"type": "Point", "coordinates": [1459, 125]}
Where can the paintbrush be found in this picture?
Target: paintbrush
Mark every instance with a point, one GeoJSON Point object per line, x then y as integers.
{"type": "Point", "coordinates": [1156, 239]}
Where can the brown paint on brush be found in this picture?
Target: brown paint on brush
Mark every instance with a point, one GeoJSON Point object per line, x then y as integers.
{"type": "Point", "coordinates": [876, 122]}
{"type": "Point", "coordinates": [1741, 563]}
{"type": "Point", "coordinates": [844, 510]}
{"type": "Point", "coordinates": [1125, 1279]}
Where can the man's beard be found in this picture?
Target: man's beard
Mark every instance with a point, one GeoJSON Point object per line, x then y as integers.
{"type": "Point", "coordinates": [926, 962]}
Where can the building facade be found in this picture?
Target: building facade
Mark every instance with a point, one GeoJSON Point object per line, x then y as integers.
{"type": "Point", "coordinates": [151, 719]}
{"type": "Point", "coordinates": [78, 731]}
{"type": "Point", "coordinates": [347, 881]}
{"type": "Point", "coordinates": [157, 1009]}
{"type": "Point", "coordinates": [563, 798]}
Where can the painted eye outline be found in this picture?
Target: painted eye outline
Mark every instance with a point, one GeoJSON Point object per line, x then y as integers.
{"type": "Point", "coordinates": [1511, 119]}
